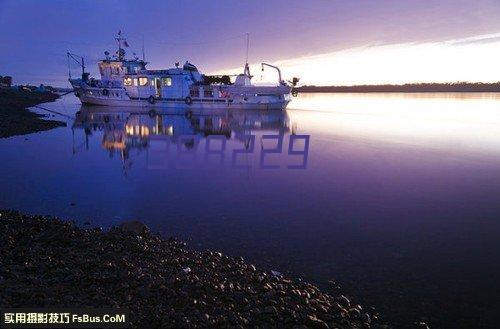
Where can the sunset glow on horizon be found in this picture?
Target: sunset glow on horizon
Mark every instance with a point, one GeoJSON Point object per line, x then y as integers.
{"type": "Point", "coordinates": [473, 59]}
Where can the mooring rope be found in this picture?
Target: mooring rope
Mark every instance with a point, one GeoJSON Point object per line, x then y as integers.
{"type": "Point", "coordinates": [55, 112]}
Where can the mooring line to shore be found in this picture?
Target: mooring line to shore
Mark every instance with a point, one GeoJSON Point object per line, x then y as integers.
{"type": "Point", "coordinates": [65, 93]}
{"type": "Point", "coordinates": [55, 112]}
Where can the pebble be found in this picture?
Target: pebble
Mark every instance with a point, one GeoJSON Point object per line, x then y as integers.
{"type": "Point", "coordinates": [316, 323]}
{"type": "Point", "coordinates": [354, 312]}
{"type": "Point", "coordinates": [144, 274]}
{"type": "Point", "coordinates": [343, 301]}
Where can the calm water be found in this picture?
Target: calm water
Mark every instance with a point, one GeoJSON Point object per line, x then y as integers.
{"type": "Point", "coordinates": [394, 196]}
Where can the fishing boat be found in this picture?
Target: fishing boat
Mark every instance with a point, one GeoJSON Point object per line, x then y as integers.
{"type": "Point", "coordinates": [128, 83]}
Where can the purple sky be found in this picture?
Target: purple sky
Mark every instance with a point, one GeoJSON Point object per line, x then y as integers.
{"type": "Point", "coordinates": [35, 35]}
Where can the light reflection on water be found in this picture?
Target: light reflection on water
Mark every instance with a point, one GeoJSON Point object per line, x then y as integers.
{"type": "Point", "coordinates": [238, 139]}
{"type": "Point", "coordinates": [393, 195]}
{"type": "Point", "coordinates": [449, 122]}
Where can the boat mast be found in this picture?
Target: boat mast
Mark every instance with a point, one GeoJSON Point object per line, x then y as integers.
{"type": "Point", "coordinates": [248, 43]}
{"type": "Point", "coordinates": [121, 52]}
{"type": "Point", "coordinates": [80, 62]}
{"type": "Point", "coordinates": [247, 68]}
{"type": "Point", "coordinates": [143, 55]}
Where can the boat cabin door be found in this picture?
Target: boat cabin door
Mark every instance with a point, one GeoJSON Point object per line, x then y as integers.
{"type": "Point", "coordinates": [157, 87]}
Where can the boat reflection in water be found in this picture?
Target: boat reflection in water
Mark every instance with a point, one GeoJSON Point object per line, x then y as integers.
{"type": "Point", "coordinates": [229, 138]}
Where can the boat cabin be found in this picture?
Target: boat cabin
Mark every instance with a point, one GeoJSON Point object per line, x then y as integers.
{"type": "Point", "coordinates": [158, 83]}
{"type": "Point", "coordinates": [115, 70]}
{"type": "Point", "coordinates": [173, 84]}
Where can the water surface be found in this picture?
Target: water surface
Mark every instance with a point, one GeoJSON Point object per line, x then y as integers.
{"type": "Point", "coordinates": [394, 196]}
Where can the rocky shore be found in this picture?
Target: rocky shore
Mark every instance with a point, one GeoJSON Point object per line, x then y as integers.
{"type": "Point", "coordinates": [49, 262]}
{"type": "Point", "coordinates": [16, 119]}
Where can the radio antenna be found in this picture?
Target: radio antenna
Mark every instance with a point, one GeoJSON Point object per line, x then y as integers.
{"type": "Point", "coordinates": [143, 54]}
{"type": "Point", "coordinates": [248, 44]}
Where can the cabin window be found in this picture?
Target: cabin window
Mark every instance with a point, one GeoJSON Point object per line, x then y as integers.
{"type": "Point", "coordinates": [143, 81]}
{"type": "Point", "coordinates": [194, 92]}
{"type": "Point", "coordinates": [136, 82]}
{"type": "Point", "coordinates": [208, 93]}
{"type": "Point", "coordinates": [166, 81]}
{"type": "Point", "coordinates": [127, 81]}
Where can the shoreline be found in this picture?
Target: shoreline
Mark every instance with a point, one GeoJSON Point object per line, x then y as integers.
{"type": "Point", "coordinates": [50, 262]}
{"type": "Point", "coordinates": [15, 117]}
{"type": "Point", "coordinates": [460, 87]}
{"type": "Point", "coordinates": [398, 92]}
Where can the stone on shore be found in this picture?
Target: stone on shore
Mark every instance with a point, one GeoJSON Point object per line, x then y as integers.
{"type": "Point", "coordinates": [48, 262]}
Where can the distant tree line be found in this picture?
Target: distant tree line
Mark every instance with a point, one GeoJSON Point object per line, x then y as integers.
{"type": "Point", "coordinates": [407, 88]}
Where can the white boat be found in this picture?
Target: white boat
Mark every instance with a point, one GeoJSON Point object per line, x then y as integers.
{"type": "Point", "coordinates": [127, 82]}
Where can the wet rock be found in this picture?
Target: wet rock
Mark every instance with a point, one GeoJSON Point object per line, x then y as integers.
{"type": "Point", "coordinates": [354, 312]}
{"type": "Point", "coordinates": [270, 294]}
{"type": "Point", "coordinates": [422, 325]}
{"type": "Point", "coordinates": [315, 323]}
{"type": "Point", "coordinates": [343, 301]}
{"type": "Point", "coordinates": [270, 310]}
{"type": "Point", "coordinates": [54, 263]}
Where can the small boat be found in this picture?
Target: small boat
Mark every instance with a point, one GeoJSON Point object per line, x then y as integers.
{"type": "Point", "coordinates": [127, 82]}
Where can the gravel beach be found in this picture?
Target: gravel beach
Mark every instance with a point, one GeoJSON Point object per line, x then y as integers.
{"type": "Point", "coordinates": [49, 262]}
{"type": "Point", "coordinates": [16, 119]}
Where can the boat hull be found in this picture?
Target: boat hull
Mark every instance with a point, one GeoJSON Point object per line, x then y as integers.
{"type": "Point", "coordinates": [165, 104]}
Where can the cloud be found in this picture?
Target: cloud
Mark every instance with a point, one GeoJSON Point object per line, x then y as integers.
{"type": "Point", "coordinates": [484, 38]}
